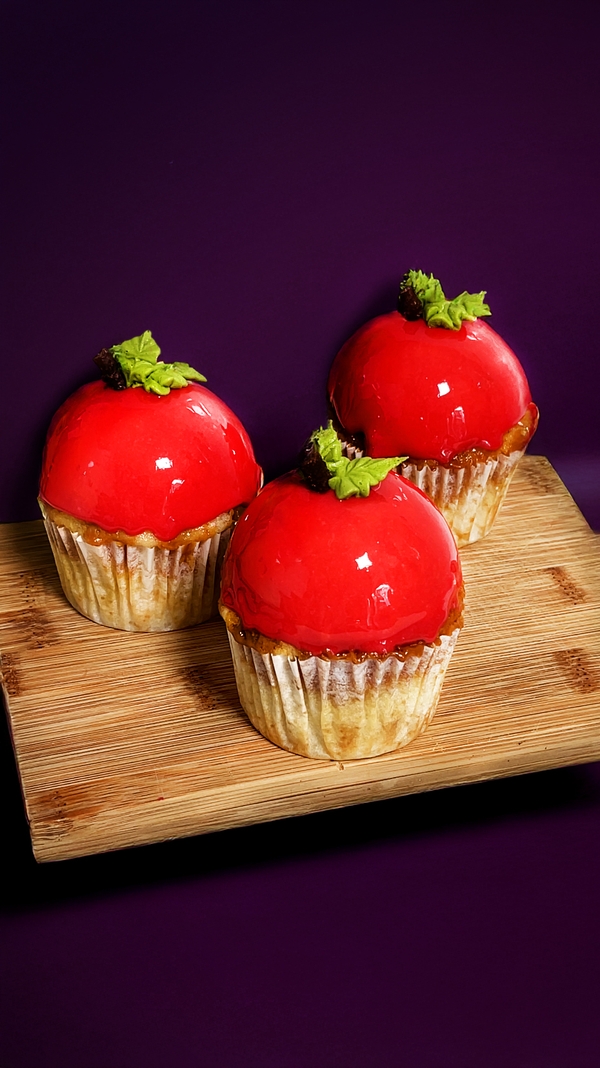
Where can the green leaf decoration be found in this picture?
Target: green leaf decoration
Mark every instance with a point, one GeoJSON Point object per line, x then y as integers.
{"type": "Point", "coordinates": [328, 445]}
{"type": "Point", "coordinates": [427, 288]}
{"type": "Point", "coordinates": [139, 362]}
{"type": "Point", "coordinates": [143, 347]}
{"type": "Point", "coordinates": [351, 478]}
{"type": "Point", "coordinates": [355, 478]}
{"type": "Point", "coordinates": [436, 309]}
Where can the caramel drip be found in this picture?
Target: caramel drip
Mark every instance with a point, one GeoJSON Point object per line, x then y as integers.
{"type": "Point", "coordinates": [265, 646]}
{"type": "Point", "coordinates": [515, 440]}
{"type": "Point", "coordinates": [94, 535]}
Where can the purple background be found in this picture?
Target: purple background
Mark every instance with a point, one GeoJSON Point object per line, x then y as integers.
{"type": "Point", "coordinates": [249, 180]}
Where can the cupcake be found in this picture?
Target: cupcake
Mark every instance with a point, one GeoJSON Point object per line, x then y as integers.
{"type": "Point", "coordinates": [144, 475]}
{"type": "Point", "coordinates": [434, 381]}
{"type": "Point", "coordinates": [342, 597]}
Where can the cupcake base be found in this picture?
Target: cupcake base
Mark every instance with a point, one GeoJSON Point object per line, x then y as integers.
{"type": "Point", "coordinates": [338, 709]}
{"type": "Point", "coordinates": [468, 495]}
{"type": "Point", "coordinates": [139, 584]}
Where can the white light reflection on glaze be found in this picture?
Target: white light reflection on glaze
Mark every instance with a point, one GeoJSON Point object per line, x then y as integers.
{"type": "Point", "coordinates": [363, 561]}
{"type": "Point", "coordinates": [383, 593]}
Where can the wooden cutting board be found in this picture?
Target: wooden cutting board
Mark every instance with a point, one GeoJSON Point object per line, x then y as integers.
{"type": "Point", "coordinates": [123, 739]}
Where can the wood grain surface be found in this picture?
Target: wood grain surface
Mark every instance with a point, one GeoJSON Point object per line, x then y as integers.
{"type": "Point", "coordinates": [123, 739]}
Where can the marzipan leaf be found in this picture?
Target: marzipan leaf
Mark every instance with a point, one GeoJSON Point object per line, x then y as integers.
{"type": "Point", "coordinates": [427, 288]}
{"type": "Point", "coordinates": [356, 478]}
{"type": "Point", "coordinates": [436, 309]}
{"type": "Point", "coordinates": [143, 347]}
{"type": "Point", "coordinates": [351, 478]}
{"type": "Point", "coordinates": [451, 313]}
{"type": "Point", "coordinates": [328, 444]}
{"type": "Point", "coordinates": [138, 360]}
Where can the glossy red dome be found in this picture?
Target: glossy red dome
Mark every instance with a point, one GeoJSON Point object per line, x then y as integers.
{"type": "Point", "coordinates": [427, 392]}
{"type": "Point", "coordinates": [366, 574]}
{"type": "Point", "coordinates": [133, 461]}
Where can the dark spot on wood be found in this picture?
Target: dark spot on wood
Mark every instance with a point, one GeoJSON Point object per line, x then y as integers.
{"type": "Point", "coordinates": [11, 678]}
{"type": "Point", "coordinates": [36, 626]}
{"type": "Point", "coordinates": [566, 584]}
{"type": "Point", "coordinates": [213, 685]}
{"type": "Point", "coordinates": [578, 669]}
{"type": "Point", "coordinates": [55, 813]}
{"type": "Point", "coordinates": [33, 619]}
{"type": "Point", "coordinates": [197, 682]}
{"type": "Point", "coordinates": [50, 810]}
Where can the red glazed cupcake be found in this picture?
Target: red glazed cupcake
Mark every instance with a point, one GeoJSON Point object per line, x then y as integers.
{"type": "Point", "coordinates": [143, 478]}
{"type": "Point", "coordinates": [342, 596]}
{"type": "Point", "coordinates": [433, 381]}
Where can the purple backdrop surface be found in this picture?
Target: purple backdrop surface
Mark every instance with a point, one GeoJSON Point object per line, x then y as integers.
{"type": "Point", "coordinates": [249, 180]}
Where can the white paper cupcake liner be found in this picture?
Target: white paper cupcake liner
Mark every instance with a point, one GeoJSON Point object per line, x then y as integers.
{"type": "Point", "coordinates": [139, 588]}
{"type": "Point", "coordinates": [468, 497]}
{"type": "Point", "coordinates": [336, 709]}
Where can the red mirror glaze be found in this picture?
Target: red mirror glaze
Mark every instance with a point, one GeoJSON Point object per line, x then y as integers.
{"type": "Point", "coordinates": [427, 392]}
{"type": "Point", "coordinates": [364, 574]}
{"type": "Point", "coordinates": [133, 461]}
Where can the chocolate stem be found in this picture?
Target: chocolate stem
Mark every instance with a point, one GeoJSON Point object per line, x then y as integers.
{"type": "Point", "coordinates": [422, 297]}
{"type": "Point", "coordinates": [409, 304]}
{"type": "Point", "coordinates": [110, 370]}
{"type": "Point", "coordinates": [313, 467]}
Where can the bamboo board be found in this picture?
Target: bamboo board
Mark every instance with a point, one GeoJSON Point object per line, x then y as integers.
{"type": "Point", "coordinates": [123, 739]}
